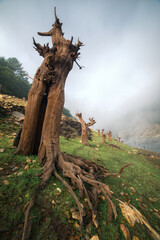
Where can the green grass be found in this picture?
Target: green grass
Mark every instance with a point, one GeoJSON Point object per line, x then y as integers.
{"type": "Point", "coordinates": [54, 221]}
{"type": "Point", "coordinates": [143, 176]}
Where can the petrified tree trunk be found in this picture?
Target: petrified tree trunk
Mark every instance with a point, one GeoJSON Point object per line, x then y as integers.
{"type": "Point", "coordinates": [109, 135]}
{"type": "Point", "coordinates": [102, 131]}
{"type": "Point", "coordinates": [46, 97]}
{"type": "Point", "coordinates": [40, 133]}
{"type": "Point", "coordinates": [104, 138]}
{"type": "Point", "coordinates": [84, 126]}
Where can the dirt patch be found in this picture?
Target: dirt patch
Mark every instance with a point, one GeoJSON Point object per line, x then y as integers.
{"type": "Point", "coordinates": [114, 146]}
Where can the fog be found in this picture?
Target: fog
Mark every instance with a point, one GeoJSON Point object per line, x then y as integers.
{"type": "Point", "coordinates": [120, 80]}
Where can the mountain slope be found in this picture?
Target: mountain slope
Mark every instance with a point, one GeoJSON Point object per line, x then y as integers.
{"type": "Point", "coordinates": [52, 215]}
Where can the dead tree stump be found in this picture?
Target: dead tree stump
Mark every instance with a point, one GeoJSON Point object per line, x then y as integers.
{"type": "Point", "coordinates": [102, 132]}
{"type": "Point", "coordinates": [104, 138]}
{"type": "Point", "coordinates": [40, 133]}
{"type": "Point", "coordinates": [109, 135]}
{"type": "Point", "coordinates": [84, 126]}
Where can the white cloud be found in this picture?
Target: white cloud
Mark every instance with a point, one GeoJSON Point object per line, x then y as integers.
{"type": "Point", "coordinates": [121, 53]}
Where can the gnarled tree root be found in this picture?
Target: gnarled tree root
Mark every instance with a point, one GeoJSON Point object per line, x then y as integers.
{"type": "Point", "coordinates": [80, 171]}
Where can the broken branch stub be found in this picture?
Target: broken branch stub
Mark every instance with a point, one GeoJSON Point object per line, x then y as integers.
{"type": "Point", "coordinates": [91, 122]}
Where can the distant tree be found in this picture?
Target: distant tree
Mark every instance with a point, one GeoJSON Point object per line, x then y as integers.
{"type": "Point", "coordinates": [84, 126]}
{"type": "Point", "coordinates": [104, 138]}
{"type": "Point", "coordinates": [16, 66]}
{"type": "Point", "coordinates": [7, 80]}
{"type": "Point", "coordinates": [109, 135]}
{"type": "Point", "coordinates": [102, 131]}
{"type": "Point", "coordinates": [66, 112]}
{"type": "Point", "coordinates": [12, 80]}
{"type": "Point", "coordinates": [3, 62]}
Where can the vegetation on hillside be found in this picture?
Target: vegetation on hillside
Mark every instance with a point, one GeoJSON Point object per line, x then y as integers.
{"type": "Point", "coordinates": [52, 215]}
{"type": "Point", "coordinates": [66, 112]}
{"type": "Point", "coordinates": [10, 103]}
{"type": "Point", "coordinates": [12, 80]}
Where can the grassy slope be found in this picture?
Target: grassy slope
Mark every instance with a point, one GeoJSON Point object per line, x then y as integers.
{"type": "Point", "coordinates": [54, 221]}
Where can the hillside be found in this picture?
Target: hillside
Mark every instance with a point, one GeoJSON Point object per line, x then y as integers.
{"type": "Point", "coordinates": [55, 214]}
{"type": "Point", "coordinates": [69, 126]}
{"type": "Point", "coordinates": [9, 104]}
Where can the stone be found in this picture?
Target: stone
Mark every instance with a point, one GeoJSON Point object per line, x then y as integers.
{"type": "Point", "coordinates": [18, 115]}
{"type": "Point", "coordinates": [95, 237]}
{"type": "Point", "coordinates": [6, 182]}
{"type": "Point", "coordinates": [76, 215]}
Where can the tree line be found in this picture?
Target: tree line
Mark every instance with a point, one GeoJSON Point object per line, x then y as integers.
{"type": "Point", "coordinates": [13, 81]}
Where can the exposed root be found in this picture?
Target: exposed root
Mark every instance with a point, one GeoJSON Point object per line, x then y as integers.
{"type": "Point", "coordinates": [86, 194]}
{"type": "Point", "coordinates": [27, 221]}
{"type": "Point", "coordinates": [117, 174]}
{"type": "Point", "coordinates": [79, 171]}
{"type": "Point", "coordinates": [74, 196]}
{"type": "Point", "coordinates": [84, 170]}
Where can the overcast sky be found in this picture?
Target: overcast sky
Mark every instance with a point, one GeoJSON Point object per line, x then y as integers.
{"type": "Point", "coordinates": [121, 53]}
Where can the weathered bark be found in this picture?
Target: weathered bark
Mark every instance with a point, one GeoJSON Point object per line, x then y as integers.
{"type": "Point", "coordinates": [28, 135]}
{"type": "Point", "coordinates": [84, 126]}
{"type": "Point", "coordinates": [41, 127]}
{"type": "Point", "coordinates": [48, 84]}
